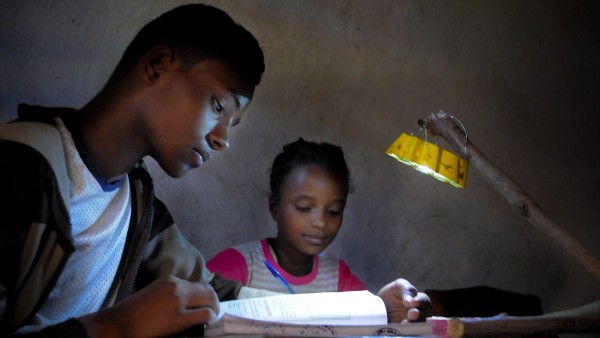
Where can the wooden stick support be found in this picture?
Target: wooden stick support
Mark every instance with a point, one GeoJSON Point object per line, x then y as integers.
{"type": "Point", "coordinates": [584, 319]}
{"type": "Point", "coordinates": [443, 124]}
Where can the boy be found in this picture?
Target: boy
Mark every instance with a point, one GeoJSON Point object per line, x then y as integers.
{"type": "Point", "coordinates": [86, 248]}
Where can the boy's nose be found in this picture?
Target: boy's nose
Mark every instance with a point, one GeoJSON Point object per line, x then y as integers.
{"type": "Point", "coordinates": [217, 140]}
{"type": "Point", "coordinates": [219, 144]}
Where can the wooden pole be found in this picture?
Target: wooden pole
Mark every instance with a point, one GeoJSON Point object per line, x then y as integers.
{"type": "Point", "coordinates": [584, 319]}
{"type": "Point", "coordinates": [445, 125]}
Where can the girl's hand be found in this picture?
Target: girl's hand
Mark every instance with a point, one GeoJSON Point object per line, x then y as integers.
{"type": "Point", "coordinates": [404, 303]}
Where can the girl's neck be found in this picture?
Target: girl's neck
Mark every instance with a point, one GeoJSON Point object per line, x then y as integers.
{"type": "Point", "coordinates": [294, 263]}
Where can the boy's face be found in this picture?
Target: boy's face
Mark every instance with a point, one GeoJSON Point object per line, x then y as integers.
{"type": "Point", "coordinates": [309, 212]}
{"type": "Point", "coordinates": [192, 113]}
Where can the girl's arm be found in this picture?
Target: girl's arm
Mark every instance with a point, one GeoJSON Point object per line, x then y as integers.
{"type": "Point", "coordinates": [348, 281]}
{"type": "Point", "coordinates": [231, 264]}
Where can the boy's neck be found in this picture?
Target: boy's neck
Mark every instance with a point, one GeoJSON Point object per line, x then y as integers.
{"type": "Point", "coordinates": [73, 127]}
{"type": "Point", "coordinates": [108, 137]}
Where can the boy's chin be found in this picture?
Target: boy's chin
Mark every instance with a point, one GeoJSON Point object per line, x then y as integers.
{"type": "Point", "coordinates": [177, 171]}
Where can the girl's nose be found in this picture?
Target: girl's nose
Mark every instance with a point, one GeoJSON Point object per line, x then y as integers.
{"type": "Point", "coordinates": [318, 219]}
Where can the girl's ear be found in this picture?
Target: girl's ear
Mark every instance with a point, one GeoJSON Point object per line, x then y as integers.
{"type": "Point", "coordinates": [158, 60]}
{"type": "Point", "coordinates": [273, 208]}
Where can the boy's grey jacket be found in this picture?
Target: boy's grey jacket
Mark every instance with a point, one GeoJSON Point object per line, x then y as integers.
{"type": "Point", "coordinates": [35, 240]}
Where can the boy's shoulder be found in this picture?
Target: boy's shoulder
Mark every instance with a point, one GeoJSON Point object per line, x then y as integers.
{"type": "Point", "coordinates": [36, 127]}
{"type": "Point", "coordinates": [43, 114]}
{"type": "Point", "coordinates": [41, 136]}
{"type": "Point", "coordinates": [44, 139]}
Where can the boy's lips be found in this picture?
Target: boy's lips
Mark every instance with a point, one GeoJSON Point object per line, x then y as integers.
{"type": "Point", "coordinates": [205, 156]}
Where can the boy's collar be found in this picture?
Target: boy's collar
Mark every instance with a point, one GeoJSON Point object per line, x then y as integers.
{"type": "Point", "coordinates": [106, 184]}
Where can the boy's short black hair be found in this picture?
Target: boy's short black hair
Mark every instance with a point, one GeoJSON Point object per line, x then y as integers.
{"type": "Point", "coordinates": [197, 32]}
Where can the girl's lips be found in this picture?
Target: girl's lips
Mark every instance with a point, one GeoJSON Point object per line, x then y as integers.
{"type": "Point", "coordinates": [315, 240]}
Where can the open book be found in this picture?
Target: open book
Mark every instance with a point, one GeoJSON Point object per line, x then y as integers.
{"type": "Point", "coordinates": [353, 313]}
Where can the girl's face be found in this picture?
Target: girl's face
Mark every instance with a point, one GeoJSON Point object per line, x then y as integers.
{"type": "Point", "coordinates": [309, 212]}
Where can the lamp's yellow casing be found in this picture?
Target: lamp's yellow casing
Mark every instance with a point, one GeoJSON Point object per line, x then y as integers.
{"type": "Point", "coordinates": [430, 159]}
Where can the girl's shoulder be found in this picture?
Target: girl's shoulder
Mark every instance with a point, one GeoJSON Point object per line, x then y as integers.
{"type": "Point", "coordinates": [248, 247]}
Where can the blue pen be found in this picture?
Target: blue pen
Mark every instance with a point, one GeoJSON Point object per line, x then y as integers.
{"type": "Point", "coordinates": [280, 277]}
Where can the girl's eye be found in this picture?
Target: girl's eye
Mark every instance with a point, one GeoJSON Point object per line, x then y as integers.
{"type": "Point", "coordinates": [217, 106]}
{"type": "Point", "coordinates": [302, 209]}
{"type": "Point", "coordinates": [335, 212]}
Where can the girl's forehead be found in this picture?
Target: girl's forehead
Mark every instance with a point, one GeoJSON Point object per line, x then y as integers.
{"type": "Point", "coordinates": [311, 175]}
{"type": "Point", "coordinates": [305, 171]}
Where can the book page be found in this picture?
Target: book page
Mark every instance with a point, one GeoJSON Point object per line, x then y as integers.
{"type": "Point", "coordinates": [353, 307]}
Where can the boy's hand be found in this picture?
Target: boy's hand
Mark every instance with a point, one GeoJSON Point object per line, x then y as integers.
{"type": "Point", "coordinates": [404, 303]}
{"type": "Point", "coordinates": [167, 306]}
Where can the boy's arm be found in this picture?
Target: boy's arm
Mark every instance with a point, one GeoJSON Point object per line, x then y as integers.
{"type": "Point", "coordinates": [170, 253]}
{"type": "Point", "coordinates": [71, 328]}
{"type": "Point", "coordinates": [22, 174]}
{"type": "Point", "coordinates": [183, 260]}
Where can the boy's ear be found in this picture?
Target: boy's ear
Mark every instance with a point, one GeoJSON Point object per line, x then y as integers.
{"type": "Point", "coordinates": [158, 60]}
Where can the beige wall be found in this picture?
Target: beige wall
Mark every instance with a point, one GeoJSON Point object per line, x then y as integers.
{"type": "Point", "coordinates": [521, 75]}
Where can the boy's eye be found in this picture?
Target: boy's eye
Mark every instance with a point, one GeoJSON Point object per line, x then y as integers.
{"type": "Point", "coordinates": [217, 106]}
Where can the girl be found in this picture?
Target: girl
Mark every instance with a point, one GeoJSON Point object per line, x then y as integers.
{"type": "Point", "coordinates": [309, 185]}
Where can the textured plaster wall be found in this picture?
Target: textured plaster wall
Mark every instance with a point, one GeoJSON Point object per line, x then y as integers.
{"type": "Point", "coordinates": [522, 76]}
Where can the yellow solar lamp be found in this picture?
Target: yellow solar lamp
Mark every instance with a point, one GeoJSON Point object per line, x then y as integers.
{"type": "Point", "coordinates": [430, 159]}
{"type": "Point", "coordinates": [409, 150]}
